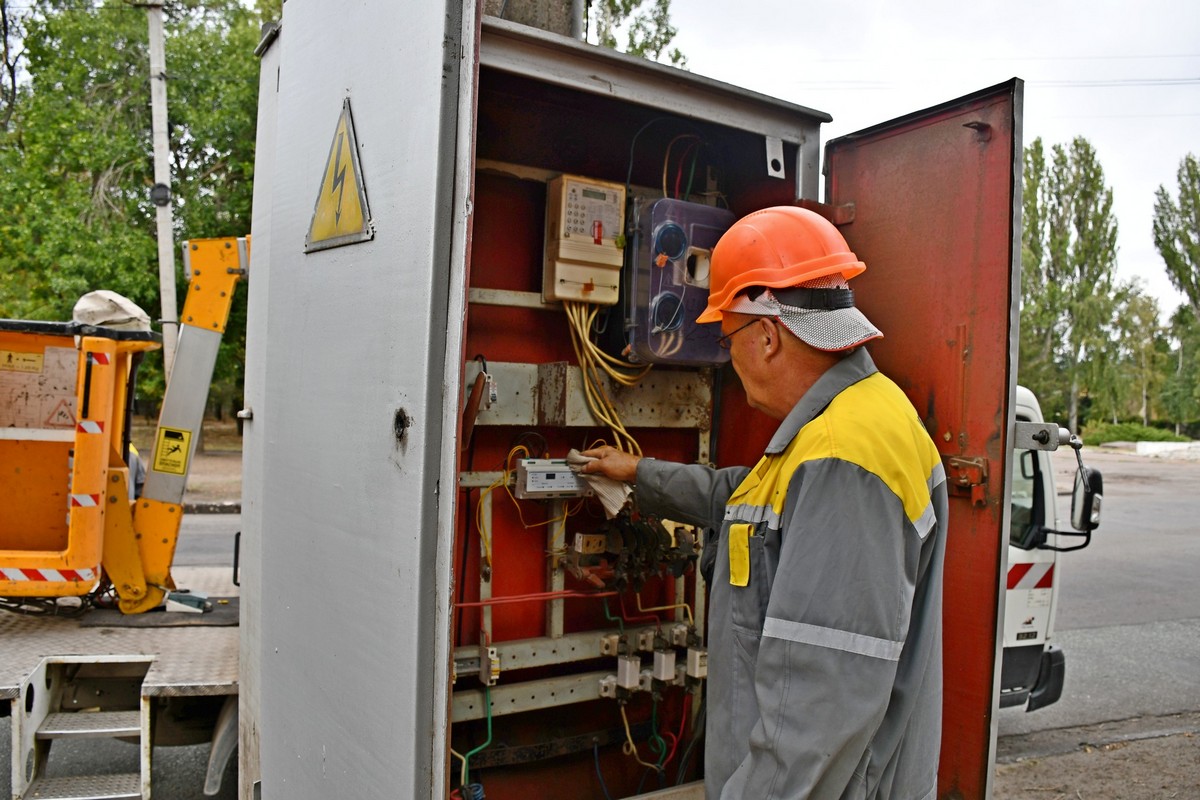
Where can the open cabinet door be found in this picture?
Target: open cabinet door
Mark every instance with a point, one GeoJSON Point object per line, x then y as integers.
{"type": "Point", "coordinates": [931, 202]}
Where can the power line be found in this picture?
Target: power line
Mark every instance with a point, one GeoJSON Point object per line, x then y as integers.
{"type": "Point", "coordinates": [1115, 82]}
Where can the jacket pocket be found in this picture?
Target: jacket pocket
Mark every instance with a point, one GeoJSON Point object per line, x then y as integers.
{"type": "Point", "coordinates": [749, 599]}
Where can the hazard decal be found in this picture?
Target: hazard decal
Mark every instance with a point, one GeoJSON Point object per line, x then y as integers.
{"type": "Point", "coordinates": [171, 451]}
{"type": "Point", "coordinates": [340, 215]}
{"type": "Point", "coordinates": [16, 361]}
{"type": "Point", "coordinates": [61, 417]}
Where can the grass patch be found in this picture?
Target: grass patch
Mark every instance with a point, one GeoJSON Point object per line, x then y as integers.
{"type": "Point", "coordinates": [1102, 432]}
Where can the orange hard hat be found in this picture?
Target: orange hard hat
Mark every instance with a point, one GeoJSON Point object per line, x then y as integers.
{"type": "Point", "coordinates": [775, 247]}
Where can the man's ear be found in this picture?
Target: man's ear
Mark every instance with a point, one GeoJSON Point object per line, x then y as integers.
{"type": "Point", "coordinates": [771, 337]}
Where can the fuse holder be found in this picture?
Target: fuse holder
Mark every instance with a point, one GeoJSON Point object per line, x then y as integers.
{"type": "Point", "coordinates": [664, 665]}
{"type": "Point", "coordinates": [628, 669]}
{"type": "Point", "coordinates": [697, 662]}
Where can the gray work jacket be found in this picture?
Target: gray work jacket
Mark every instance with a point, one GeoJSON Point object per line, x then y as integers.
{"type": "Point", "coordinates": [825, 636]}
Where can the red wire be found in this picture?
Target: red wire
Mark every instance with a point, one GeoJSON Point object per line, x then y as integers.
{"type": "Point", "coordinates": [526, 598]}
{"type": "Point", "coordinates": [687, 700]}
{"type": "Point", "coordinates": [679, 172]}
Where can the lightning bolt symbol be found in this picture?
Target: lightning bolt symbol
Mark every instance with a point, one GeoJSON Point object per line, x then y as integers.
{"type": "Point", "coordinates": [339, 179]}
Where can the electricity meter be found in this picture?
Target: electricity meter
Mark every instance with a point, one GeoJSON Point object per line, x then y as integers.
{"type": "Point", "coordinates": [585, 222]}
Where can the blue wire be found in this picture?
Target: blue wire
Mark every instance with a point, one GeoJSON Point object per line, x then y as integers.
{"type": "Point", "coordinates": [596, 755]}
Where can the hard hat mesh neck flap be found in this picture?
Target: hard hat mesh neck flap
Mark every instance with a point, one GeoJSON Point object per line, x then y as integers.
{"type": "Point", "coordinates": [832, 325]}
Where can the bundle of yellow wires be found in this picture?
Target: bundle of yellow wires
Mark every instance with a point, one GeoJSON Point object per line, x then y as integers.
{"type": "Point", "coordinates": [594, 363]}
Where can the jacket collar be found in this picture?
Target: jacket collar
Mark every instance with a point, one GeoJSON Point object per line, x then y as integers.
{"type": "Point", "coordinates": [850, 370]}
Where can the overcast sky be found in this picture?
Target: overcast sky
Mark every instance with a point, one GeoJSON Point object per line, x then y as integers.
{"type": "Point", "coordinates": [1124, 75]}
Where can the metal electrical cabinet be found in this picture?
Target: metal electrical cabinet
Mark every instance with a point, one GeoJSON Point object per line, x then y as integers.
{"type": "Point", "coordinates": [408, 621]}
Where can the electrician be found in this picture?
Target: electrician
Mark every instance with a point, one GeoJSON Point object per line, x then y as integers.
{"type": "Point", "coordinates": [825, 635]}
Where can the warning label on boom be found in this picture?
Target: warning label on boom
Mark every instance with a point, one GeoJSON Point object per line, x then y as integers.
{"type": "Point", "coordinates": [171, 451]}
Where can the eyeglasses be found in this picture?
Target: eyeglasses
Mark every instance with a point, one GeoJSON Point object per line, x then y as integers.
{"type": "Point", "coordinates": [726, 341]}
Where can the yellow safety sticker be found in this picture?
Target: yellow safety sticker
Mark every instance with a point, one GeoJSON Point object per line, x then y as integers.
{"type": "Point", "coordinates": [739, 553]}
{"type": "Point", "coordinates": [16, 361]}
{"type": "Point", "coordinates": [171, 451]}
{"type": "Point", "coordinates": [340, 215]}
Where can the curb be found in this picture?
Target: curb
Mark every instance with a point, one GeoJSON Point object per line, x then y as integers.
{"type": "Point", "coordinates": [225, 507]}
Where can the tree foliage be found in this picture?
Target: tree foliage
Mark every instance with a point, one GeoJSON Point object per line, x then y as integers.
{"type": "Point", "coordinates": [646, 25]}
{"type": "Point", "coordinates": [76, 159]}
{"type": "Point", "coordinates": [1177, 231]}
{"type": "Point", "coordinates": [1069, 259]}
{"type": "Point", "coordinates": [1181, 384]}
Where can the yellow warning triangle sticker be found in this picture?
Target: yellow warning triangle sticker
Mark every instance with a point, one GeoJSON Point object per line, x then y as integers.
{"type": "Point", "coordinates": [341, 215]}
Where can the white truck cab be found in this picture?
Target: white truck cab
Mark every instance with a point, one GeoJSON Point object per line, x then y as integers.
{"type": "Point", "coordinates": [1033, 668]}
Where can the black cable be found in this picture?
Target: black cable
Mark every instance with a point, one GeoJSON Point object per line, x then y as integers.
{"type": "Point", "coordinates": [462, 571]}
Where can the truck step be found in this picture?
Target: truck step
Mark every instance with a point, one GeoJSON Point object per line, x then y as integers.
{"type": "Point", "coordinates": [90, 725]}
{"type": "Point", "coordinates": [87, 787]}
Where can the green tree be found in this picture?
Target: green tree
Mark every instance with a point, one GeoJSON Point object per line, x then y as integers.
{"type": "Point", "coordinates": [76, 162]}
{"type": "Point", "coordinates": [1069, 250]}
{"type": "Point", "coordinates": [648, 30]}
{"type": "Point", "coordinates": [1041, 306]}
{"type": "Point", "coordinates": [1128, 375]}
{"type": "Point", "coordinates": [1177, 231]}
{"type": "Point", "coordinates": [1181, 381]}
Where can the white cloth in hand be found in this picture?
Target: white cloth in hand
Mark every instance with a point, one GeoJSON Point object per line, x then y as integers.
{"type": "Point", "coordinates": [612, 494]}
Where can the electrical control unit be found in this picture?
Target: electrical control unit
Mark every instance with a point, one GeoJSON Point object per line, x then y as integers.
{"type": "Point", "coordinates": [548, 479]}
{"type": "Point", "coordinates": [585, 222]}
{"type": "Point", "coordinates": [666, 282]}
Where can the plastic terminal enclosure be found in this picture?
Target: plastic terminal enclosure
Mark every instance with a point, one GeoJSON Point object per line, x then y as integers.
{"type": "Point", "coordinates": [548, 479]}
{"type": "Point", "coordinates": [585, 225]}
{"type": "Point", "coordinates": [665, 284]}
{"type": "Point", "coordinates": [609, 644]}
{"type": "Point", "coordinates": [489, 665]}
{"type": "Point", "coordinates": [590, 543]}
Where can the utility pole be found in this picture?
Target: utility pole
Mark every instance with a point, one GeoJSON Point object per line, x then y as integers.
{"type": "Point", "coordinates": [160, 194]}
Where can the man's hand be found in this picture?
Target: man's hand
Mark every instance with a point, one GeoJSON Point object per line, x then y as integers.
{"type": "Point", "coordinates": [612, 463]}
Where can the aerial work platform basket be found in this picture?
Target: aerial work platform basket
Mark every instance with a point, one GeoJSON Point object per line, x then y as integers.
{"type": "Point", "coordinates": [68, 519]}
{"type": "Point", "coordinates": [64, 400]}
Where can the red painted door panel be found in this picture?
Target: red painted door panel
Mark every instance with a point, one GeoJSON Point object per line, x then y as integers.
{"type": "Point", "coordinates": [935, 213]}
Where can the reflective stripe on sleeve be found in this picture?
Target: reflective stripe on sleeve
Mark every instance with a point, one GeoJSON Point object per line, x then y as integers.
{"type": "Point", "coordinates": [937, 476]}
{"type": "Point", "coordinates": [744, 512]}
{"type": "Point", "coordinates": [926, 522]}
{"type": "Point", "coordinates": [834, 639]}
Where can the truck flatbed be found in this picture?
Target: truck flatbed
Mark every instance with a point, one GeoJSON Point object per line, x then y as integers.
{"type": "Point", "coordinates": [187, 661]}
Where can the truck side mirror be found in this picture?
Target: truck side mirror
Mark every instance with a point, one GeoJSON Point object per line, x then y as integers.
{"type": "Point", "coordinates": [1086, 499]}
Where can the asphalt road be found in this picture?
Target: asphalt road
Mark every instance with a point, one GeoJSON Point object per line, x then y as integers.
{"type": "Point", "coordinates": [207, 540]}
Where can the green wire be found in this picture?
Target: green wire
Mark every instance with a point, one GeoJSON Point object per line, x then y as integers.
{"type": "Point", "coordinates": [611, 618]}
{"type": "Point", "coordinates": [466, 771]}
{"type": "Point", "coordinates": [691, 174]}
{"type": "Point", "coordinates": [658, 742]}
